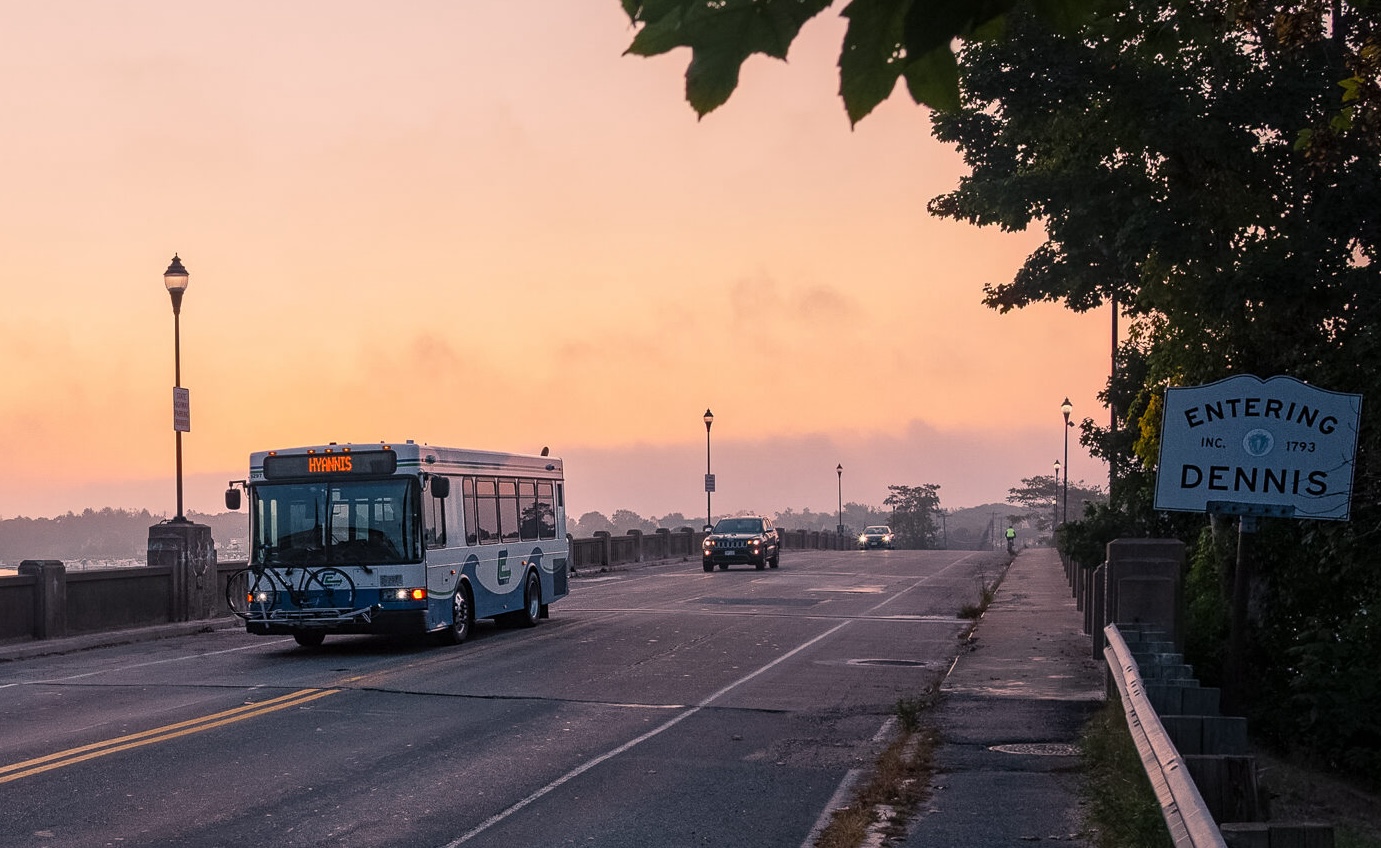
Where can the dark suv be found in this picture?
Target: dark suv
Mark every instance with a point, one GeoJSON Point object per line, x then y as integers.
{"type": "Point", "coordinates": [745, 538]}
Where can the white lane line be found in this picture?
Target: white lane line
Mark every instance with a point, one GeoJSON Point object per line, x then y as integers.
{"type": "Point", "coordinates": [589, 764]}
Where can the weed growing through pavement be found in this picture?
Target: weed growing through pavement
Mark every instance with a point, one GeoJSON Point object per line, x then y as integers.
{"type": "Point", "coordinates": [986, 593]}
{"type": "Point", "coordinates": [885, 802]}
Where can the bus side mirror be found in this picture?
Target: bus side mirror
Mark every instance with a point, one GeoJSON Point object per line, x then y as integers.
{"type": "Point", "coordinates": [232, 499]}
{"type": "Point", "coordinates": [441, 487]}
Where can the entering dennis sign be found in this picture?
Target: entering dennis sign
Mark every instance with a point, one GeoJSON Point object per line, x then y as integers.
{"type": "Point", "coordinates": [1277, 443]}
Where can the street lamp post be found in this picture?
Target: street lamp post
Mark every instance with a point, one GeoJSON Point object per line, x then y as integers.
{"type": "Point", "coordinates": [1055, 519]}
{"type": "Point", "coordinates": [709, 478]}
{"type": "Point", "coordinates": [839, 469]}
{"type": "Point", "coordinates": [182, 546]}
{"type": "Point", "coordinates": [175, 279]}
{"type": "Point", "coordinates": [1066, 408]}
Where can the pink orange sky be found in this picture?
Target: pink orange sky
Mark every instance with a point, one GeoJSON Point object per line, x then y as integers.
{"type": "Point", "coordinates": [479, 224]}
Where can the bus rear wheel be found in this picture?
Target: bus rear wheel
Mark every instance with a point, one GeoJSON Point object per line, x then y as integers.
{"type": "Point", "coordinates": [532, 604]}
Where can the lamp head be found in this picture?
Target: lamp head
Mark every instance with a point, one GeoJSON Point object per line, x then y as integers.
{"type": "Point", "coordinates": [1066, 408]}
{"type": "Point", "coordinates": [709, 419]}
{"type": "Point", "coordinates": [175, 278]}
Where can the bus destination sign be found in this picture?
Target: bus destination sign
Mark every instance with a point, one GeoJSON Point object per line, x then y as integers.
{"type": "Point", "coordinates": [346, 463]}
{"type": "Point", "coordinates": [1252, 443]}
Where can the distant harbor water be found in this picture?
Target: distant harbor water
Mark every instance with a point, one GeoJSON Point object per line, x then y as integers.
{"type": "Point", "coordinates": [231, 553]}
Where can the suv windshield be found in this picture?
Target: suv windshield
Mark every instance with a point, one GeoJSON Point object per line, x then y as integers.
{"type": "Point", "coordinates": [739, 525]}
{"type": "Point", "coordinates": [371, 522]}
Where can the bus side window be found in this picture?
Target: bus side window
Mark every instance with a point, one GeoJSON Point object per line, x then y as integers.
{"type": "Point", "coordinates": [487, 499]}
{"type": "Point", "coordinates": [508, 510]}
{"type": "Point", "coordinates": [452, 507]}
{"type": "Point", "coordinates": [528, 512]}
{"type": "Point", "coordinates": [546, 511]}
{"type": "Point", "coordinates": [471, 511]}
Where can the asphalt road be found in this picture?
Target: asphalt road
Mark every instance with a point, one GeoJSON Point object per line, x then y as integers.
{"type": "Point", "coordinates": [657, 706]}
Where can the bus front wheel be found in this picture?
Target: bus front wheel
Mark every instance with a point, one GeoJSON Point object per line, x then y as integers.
{"type": "Point", "coordinates": [310, 638]}
{"type": "Point", "coordinates": [462, 617]}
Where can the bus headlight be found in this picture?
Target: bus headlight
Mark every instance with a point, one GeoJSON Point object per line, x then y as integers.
{"type": "Point", "coordinates": [403, 594]}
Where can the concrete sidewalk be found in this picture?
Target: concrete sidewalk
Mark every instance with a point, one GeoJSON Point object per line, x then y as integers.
{"type": "Point", "coordinates": [1009, 716]}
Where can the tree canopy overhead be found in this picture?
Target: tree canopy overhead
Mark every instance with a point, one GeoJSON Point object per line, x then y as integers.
{"type": "Point", "coordinates": [1215, 170]}
{"type": "Point", "coordinates": [1211, 168]}
{"type": "Point", "coordinates": [886, 40]}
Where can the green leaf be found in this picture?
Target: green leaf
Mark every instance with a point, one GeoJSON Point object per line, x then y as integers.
{"type": "Point", "coordinates": [722, 35]}
{"type": "Point", "coordinates": [711, 78]}
{"type": "Point", "coordinates": [658, 37]}
{"type": "Point", "coordinates": [1352, 88]}
{"type": "Point", "coordinates": [933, 80]}
{"type": "Point", "coordinates": [870, 62]}
{"type": "Point", "coordinates": [1342, 121]}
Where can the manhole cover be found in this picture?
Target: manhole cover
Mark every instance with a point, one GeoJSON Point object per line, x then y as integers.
{"type": "Point", "coordinates": [1039, 749]}
{"type": "Point", "coordinates": [902, 663]}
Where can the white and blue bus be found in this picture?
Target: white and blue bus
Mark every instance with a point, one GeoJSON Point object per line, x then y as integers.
{"type": "Point", "coordinates": [398, 538]}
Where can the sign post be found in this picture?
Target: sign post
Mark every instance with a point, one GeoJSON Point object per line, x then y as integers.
{"type": "Point", "coordinates": [1250, 447]}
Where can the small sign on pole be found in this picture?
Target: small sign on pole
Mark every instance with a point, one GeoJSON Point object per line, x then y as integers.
{"type": "Point", "coordinates": [709, 482]}
{"type": "Point", "coordinates": [182, 410]}
{"type": "Point", "coordinates": [1277, 446]}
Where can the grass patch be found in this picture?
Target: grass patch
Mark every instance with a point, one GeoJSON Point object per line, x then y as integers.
{"type": "Point", "coordinates": [1122, 810]}
{"type": "Point", "coordinates": [885, 801]}
{"type": "Point", "coordinates": [986, 592]}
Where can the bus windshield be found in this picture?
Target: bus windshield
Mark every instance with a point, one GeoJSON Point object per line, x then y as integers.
{"type": "Point", "coordinates": [368, 522]}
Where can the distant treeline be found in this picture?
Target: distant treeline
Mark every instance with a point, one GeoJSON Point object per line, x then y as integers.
{"type": "Point", "coordinates": [958, 529]}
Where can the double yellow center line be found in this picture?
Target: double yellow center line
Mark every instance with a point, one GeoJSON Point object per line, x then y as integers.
{"type": "Point", "coordinates": [72, 756]}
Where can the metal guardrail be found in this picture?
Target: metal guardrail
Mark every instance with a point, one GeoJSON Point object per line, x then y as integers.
{"type": "Point", "coordinates": [1186, 815]}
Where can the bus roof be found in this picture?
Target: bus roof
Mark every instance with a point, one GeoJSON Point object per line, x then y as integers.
{"type": "Point", "coordinates": [416, 458]}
